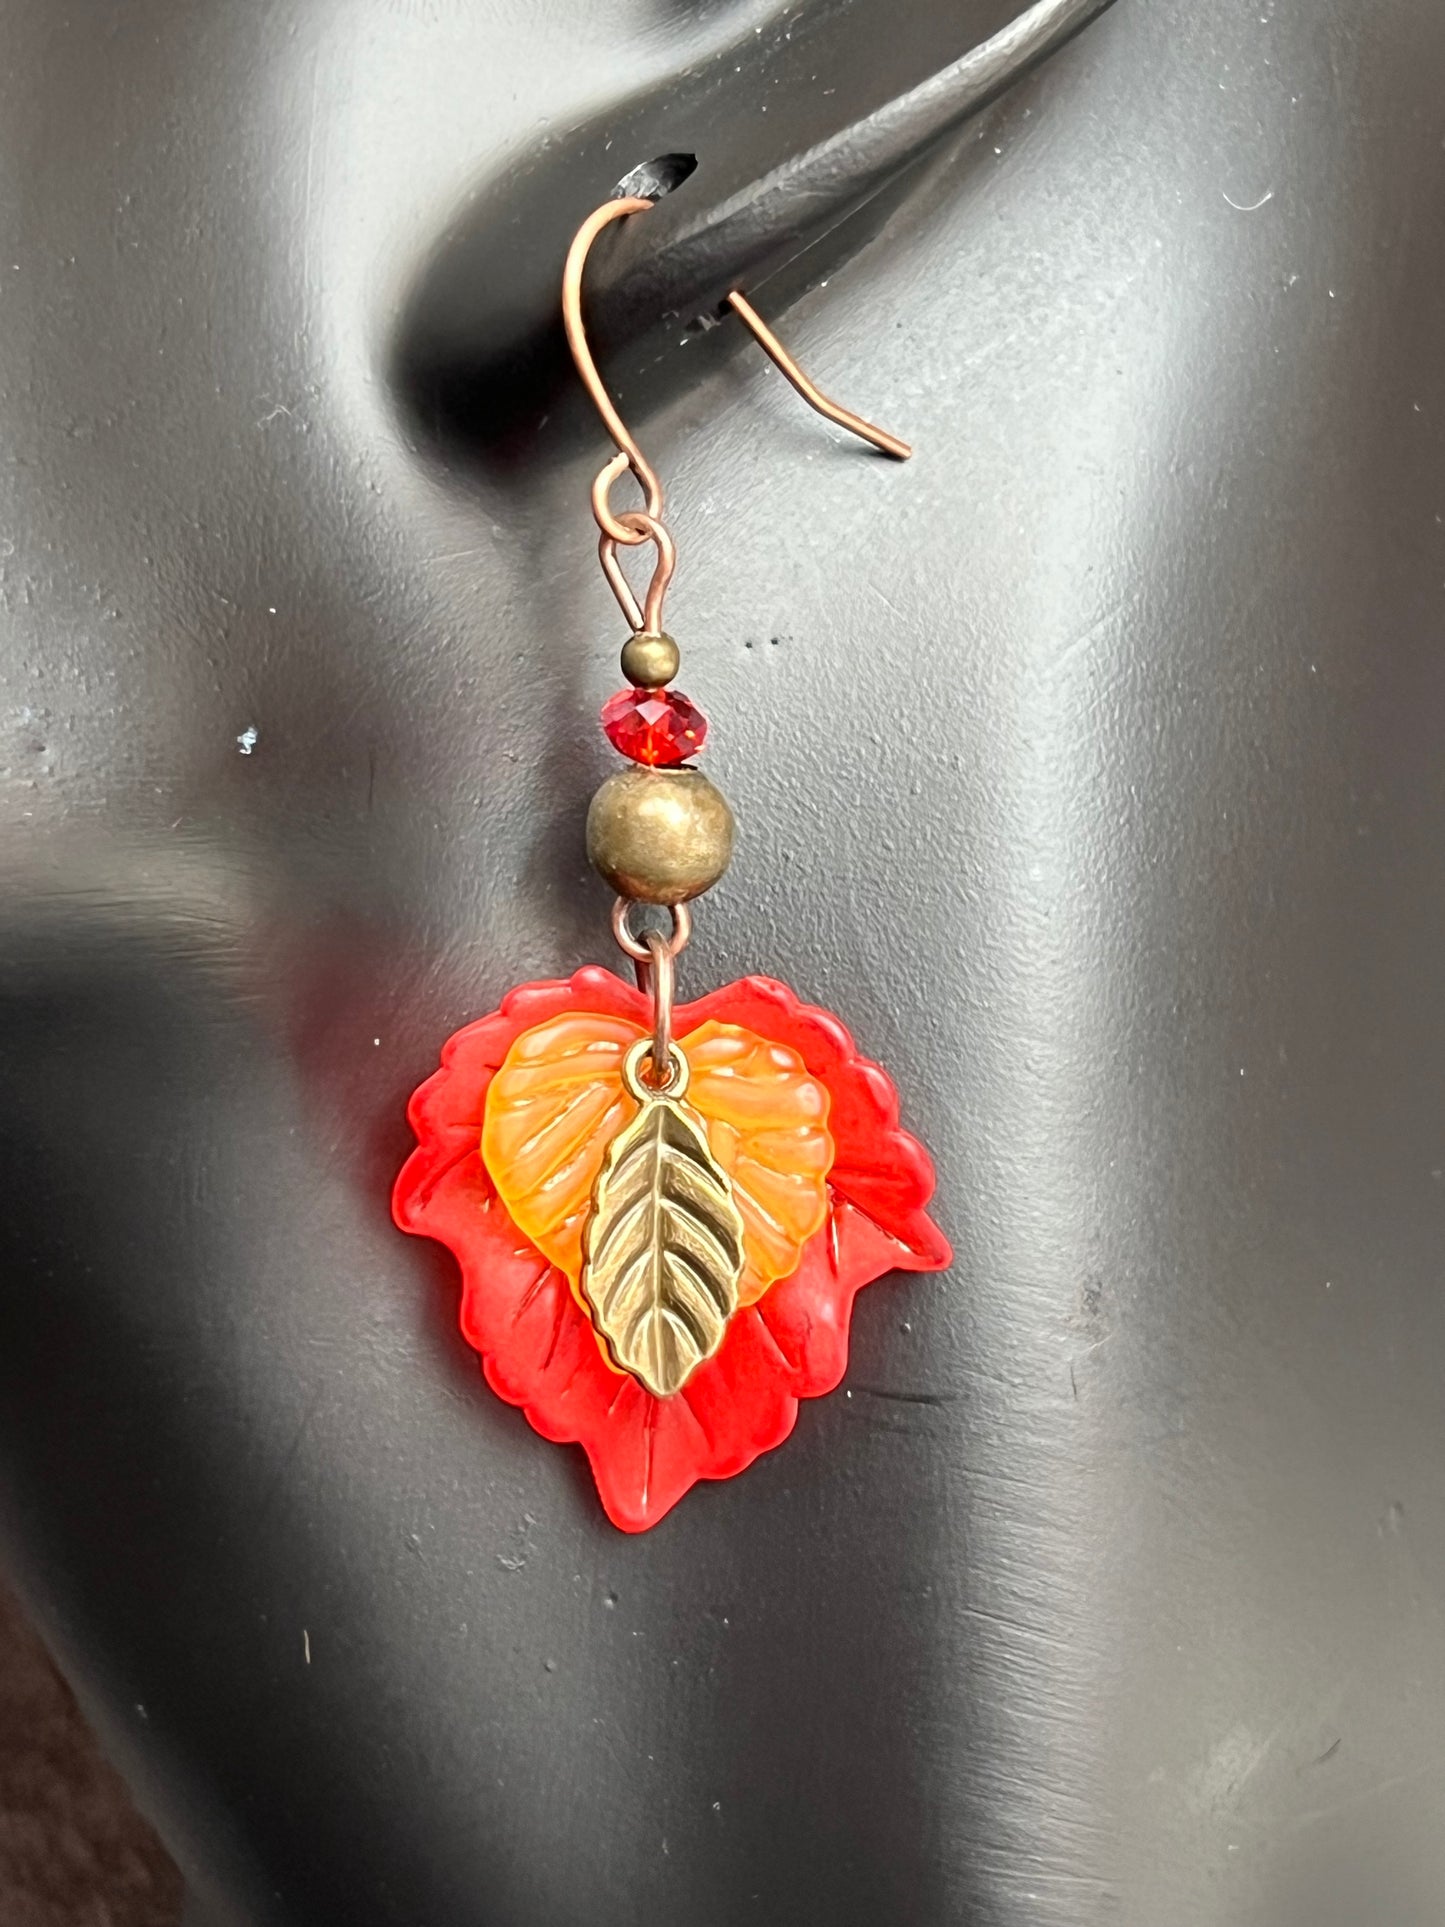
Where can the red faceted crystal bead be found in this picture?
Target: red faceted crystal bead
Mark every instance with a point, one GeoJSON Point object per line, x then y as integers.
{"type": "Point", "coordinates": [658, 727]}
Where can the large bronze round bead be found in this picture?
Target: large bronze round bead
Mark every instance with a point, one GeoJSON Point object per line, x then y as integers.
{"type": "Point", "coordinates": [660, 835]}
{"type": "Point", "coordinates": [650, 661]}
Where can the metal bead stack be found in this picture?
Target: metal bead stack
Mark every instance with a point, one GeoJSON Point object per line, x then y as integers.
{"type": "Point", "coordinates": [657, 834]}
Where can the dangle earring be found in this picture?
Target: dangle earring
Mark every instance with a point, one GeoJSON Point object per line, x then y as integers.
{"type": "Point", "coordinates": [662, 1213]}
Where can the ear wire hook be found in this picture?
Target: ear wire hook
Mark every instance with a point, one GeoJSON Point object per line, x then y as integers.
{"type": "Point", "coordinates": [810, 391]}
{"type": "Point", "coordinates": [629, 454]}
{"type": "Point", "coordinates": [635, 526]}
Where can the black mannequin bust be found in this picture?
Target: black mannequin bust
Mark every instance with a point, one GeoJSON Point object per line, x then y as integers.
{"type": "Point", "coordinates": [1088, 766]}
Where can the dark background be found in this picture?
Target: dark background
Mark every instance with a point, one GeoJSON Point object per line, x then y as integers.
{"type": "Point", "coordinates": [73, 1850]}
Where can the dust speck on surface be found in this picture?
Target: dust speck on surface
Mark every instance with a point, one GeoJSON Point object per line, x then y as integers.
{"type": "Point", "coordinates": [248, 739]}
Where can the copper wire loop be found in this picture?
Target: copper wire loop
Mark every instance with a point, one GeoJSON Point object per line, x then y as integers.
{"type": "Point", "coordinates": [655, 960]}
{"type": "Point", "coordinates": [645, 617]}
{"type": "Point", "coordinates": [615, 525]}
{"type": "Point", "coordinates": [636, 947]}
{"type": "Point", "coordinates": [663, 978]}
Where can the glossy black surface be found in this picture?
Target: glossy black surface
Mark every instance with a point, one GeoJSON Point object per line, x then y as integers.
{"type": "Point", "coordinates": [1089, 765]}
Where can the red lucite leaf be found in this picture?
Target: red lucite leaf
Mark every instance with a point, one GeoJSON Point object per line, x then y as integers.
{"type": "Point", "coordinates": [658, 727]}
{"type": "Point", "coordinates": [537, 1345]}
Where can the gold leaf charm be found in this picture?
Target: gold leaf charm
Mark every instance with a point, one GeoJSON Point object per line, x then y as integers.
{"type": "Point", "coordinates": [559, 1099]}
{"type": "Point", "coordinates": [662, 1252]}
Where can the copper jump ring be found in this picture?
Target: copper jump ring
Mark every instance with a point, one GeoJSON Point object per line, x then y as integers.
{"type": "Point", "coordinates": [636, 947]}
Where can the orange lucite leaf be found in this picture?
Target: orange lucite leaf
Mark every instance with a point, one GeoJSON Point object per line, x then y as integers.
{"type": "Point", "coordinates": [767, 1126]}
{"type": "Point", "coordinates": [558, 1101]}
{"type": "Point", "coordinates": [552, 1109]}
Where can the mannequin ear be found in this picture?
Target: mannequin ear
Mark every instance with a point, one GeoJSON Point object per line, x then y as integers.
{"type": "Point", "coordinates": [850, 105]}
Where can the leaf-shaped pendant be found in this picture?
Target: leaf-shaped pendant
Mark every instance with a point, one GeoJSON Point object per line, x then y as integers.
{"type": "Point", "coordinates": [512, 1133]}
{"type": "Point", "coordinates": [662, 1252]}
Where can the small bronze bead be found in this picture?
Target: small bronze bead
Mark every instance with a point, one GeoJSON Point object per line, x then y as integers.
{"type": "Point", "coordinates": [649, 661]}
{"type": "Point", "coordinates": [660, 835]}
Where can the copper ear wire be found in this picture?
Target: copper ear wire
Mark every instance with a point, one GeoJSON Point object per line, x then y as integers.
{"type": "Point", "coordinates": [629, 454]}
{"type": "Point", "coordinates": [633, 527]}
{"type": "Point", "coordinates": [812, 394]}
